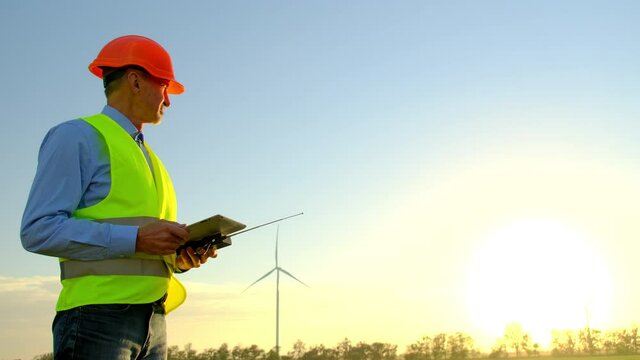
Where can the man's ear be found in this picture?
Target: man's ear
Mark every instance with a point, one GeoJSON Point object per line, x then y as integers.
{"type": "Point", "coordinates": [133, 79]}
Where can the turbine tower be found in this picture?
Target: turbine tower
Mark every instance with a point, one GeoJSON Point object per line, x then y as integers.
{"type": "Point", "coordinates": [277, 269]}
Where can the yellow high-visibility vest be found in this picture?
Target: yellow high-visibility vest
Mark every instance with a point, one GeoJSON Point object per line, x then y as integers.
{"type": "Point", "coordinates": [136, 197]}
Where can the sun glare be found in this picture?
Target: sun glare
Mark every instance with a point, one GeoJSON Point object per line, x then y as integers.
{"type": "Point", "coordinates": [538, 273]}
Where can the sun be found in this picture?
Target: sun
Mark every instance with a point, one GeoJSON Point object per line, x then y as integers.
{"type": "Point", "coordinates": [541, 274]}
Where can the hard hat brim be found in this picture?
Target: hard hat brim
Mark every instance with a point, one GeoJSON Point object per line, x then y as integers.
{"type": "Point", "coordinates": [175, 88]}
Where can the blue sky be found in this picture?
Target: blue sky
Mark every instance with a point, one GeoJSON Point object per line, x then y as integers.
{"type": "Point", "coordinates": [399, 128]}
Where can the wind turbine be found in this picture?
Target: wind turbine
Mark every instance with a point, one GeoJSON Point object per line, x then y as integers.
{"type": "Point", "coordinates": [277, 269]}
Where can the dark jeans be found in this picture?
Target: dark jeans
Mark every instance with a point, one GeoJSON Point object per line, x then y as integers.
{"type": "Point", "coordinates": [110, 332]}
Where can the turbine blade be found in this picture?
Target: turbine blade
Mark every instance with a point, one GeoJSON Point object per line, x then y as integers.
{"type": "Point", "coordinates": [295, 278]}
{"type": "Point", "coordinates": [263, 276]}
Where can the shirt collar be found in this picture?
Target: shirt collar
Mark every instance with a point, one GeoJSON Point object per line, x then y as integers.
{"type": "Point", "coordinates": [119, 118]}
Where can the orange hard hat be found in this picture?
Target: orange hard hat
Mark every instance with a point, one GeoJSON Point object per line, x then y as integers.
{"type": "Point", "coordinates": [141, 51]}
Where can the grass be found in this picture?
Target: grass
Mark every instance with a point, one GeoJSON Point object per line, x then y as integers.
{"type": "Point", "coordinates": [593, 357]}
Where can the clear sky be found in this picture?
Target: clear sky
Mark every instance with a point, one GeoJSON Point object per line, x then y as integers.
{"type": "Point", "coordinates": [461, 164]}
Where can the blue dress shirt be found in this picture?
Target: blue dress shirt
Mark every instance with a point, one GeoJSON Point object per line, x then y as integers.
{"type": "Point", "coordinates": [73, 172]}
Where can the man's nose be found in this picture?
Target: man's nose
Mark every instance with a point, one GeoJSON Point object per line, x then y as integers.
{"type": "Point", "coordinates": [166, 101]}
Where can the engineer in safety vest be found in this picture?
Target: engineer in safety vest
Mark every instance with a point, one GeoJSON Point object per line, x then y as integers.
{"type": "Point", "coordinates": [103, 203]}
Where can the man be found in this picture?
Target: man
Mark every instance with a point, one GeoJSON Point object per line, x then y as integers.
{"type": "Point", "coordinates": [103, 203]}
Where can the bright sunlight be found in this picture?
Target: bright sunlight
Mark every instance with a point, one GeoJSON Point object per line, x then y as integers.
{"type": "Point", "coordinates": [538, 273]}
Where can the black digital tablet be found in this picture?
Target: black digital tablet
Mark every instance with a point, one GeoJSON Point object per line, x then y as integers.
{"type": "Point", "coordinates": [213, 230]}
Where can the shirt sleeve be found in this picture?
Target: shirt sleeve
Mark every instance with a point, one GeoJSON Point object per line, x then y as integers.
{"type": "Point", "coordinates": [66, 178]}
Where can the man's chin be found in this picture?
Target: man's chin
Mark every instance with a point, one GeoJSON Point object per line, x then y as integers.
{"type": "Point", "coordinates": [155, 121]}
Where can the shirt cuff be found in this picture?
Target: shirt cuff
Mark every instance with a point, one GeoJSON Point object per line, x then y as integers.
{"type": "Point", "coordinates": [123, 240]}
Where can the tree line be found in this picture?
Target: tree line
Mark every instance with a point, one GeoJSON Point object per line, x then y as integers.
{"type": "Point", "coordinates": [586, 341]}
{"type": "Point", "coordinates": [589, 341]}
{"type": "Point", "coordinates": [515, 343]}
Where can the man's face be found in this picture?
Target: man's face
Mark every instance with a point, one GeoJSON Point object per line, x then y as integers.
{"type": "Point", "coordinates": [153, 98]}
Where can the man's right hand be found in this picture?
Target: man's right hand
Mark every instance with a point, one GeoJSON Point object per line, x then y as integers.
{"type": "Point", "coordinates": [161, 237]}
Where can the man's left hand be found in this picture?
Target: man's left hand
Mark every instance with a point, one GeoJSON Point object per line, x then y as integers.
{"type": "Point", "coordinates": [188, 258]}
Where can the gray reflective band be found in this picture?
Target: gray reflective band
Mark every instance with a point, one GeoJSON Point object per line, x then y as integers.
{"type": "Point", "coordinates": [145, 267]}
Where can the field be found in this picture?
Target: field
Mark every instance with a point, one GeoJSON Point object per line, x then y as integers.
{"type": "Point", "coordinates": [585, 357]}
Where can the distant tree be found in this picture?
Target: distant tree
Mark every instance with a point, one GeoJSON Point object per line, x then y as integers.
{"type": "Point", "coordinates": [439, 347]}
{"type": "Point", "coordinates": [532, 348]}
{"type": "Point", "coordinates": [626, 341]}
{"type": "Point", "coordinates": [358, 352]}
{"type": "Point", "coordinates": [609, 342]}
{"type": "Point", "coordinates": [343, 348]}
{"type": "Point", "coordinates": [319, 352]}
{"type": "Point", "coordinates": [207, 354]}
{"type": "Point", "coordinates": [631, 340]}
{"type": "Point", "coordinates": [634, 339]}
{"type": "Point", "coordinates": [48, 356]}
{"type": "Point", "coordinates": [382, 351]}
{"type": "Point", "coordinates": [174, 353]}
{"type": "Point", "coordinates": [499, 350]}
{"type": "Point", "coordinates": [272, 355]}
{"type": "Point", "coordinates": [590, 341]}
{"type": "Point", "coordinates": [420, 350]}
{"type": "Point", "coordinates": [526, 344]}
{"type": "Point", "coordinates": [249, 353]}
{"type": "Point", "coordinates": [515, 338]}
{"type": "Point", "coordinates": [189, 353]}
{"type": "Point", "coordinates": [563, 343]}
{"type": "Point", "coordinates": [613, 343]}
{"type": "Point", "coordinates": [237, 353]}
{"type": "Point", "coordinates": [459, 346]}
{"type": "Point", "coordinates": [298, 350]}
{"type": "Point", "coordinates": [223, 352]}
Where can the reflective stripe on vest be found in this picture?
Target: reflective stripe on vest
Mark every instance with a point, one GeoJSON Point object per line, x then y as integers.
{"type": "Point", "coordinates": [70, 269]}
{"type": "Point", "coordinates": [126, 266]}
